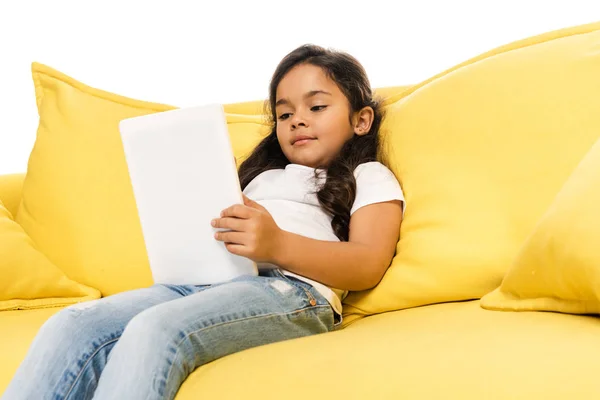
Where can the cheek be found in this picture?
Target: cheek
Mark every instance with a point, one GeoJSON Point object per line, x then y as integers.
{"type": "Point", "coordinates": [282, 139]}
{"type": "Point", "coordinates": [338, 131]}
{"type": "Point", "coordinates": [280, 133]}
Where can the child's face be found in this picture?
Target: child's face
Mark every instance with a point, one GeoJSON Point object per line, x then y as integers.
{"type": "Point", "coordinates": [313, 117]}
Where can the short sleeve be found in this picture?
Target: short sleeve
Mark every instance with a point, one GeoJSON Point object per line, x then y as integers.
{"type": "Point", "coordinates": [375, 183]}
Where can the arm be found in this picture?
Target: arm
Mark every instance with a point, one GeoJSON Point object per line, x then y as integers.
{"type": "Point", "coordinates": [358, 264]}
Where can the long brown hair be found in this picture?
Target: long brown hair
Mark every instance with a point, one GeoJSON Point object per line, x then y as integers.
{"type": "Point", "coordinates": [336, 196]}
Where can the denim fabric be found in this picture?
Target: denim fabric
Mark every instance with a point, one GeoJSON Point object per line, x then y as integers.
{"type": "Point", "coordinates": [143, 344]}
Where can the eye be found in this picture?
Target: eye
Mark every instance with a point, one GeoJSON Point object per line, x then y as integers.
{"type": "Point", "coordinates": [317, 108]}
{"type": "Point", "coordinates": [283, 117]}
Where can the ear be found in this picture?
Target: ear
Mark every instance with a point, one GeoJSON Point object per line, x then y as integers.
{"type": "Point", "coordinates": [363, 120]}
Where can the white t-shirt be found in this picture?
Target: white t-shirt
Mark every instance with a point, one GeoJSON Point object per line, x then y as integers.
{"type": "Point", "coordinates": [290, 197]}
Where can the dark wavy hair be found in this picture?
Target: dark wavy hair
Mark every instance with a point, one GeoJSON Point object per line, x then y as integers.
{"type": "Point", "coordinates": [336, 196]}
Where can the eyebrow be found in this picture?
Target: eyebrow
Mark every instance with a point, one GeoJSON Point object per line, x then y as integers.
{"type": "Point", "coordinates": [307, 95]}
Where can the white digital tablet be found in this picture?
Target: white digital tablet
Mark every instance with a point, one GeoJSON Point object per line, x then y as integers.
{"type": "Point", "coordinates": [183, 173]}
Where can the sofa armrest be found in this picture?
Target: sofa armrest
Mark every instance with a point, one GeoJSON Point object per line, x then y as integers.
{"type": "Point", "coordinates": [10, 191]}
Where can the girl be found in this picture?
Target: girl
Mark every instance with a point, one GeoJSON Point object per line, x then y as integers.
{"type": "Point", "coordinates": [324, 219]}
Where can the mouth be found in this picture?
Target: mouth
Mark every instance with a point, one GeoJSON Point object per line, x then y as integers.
{"type": "Point", "coordinates": [301, 140]}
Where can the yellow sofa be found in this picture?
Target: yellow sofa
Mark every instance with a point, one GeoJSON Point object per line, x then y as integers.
{"type": "Point", "coordinates": [481, 150]}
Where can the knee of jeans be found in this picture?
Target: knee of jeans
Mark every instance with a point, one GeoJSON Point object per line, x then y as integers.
{"type": "Point", "coordinates": [150, 326]}
{"type": "Point", "coordinates": [69, 319]}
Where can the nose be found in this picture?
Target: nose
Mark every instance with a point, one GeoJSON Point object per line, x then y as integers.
{"type": "Point", "coordinates": [298, 120]}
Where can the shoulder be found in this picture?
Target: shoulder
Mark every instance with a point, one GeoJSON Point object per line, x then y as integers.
{"type": "Point", "coordinates": [375, 183]}
{"type": "Point", "coordinates": [373, 170]}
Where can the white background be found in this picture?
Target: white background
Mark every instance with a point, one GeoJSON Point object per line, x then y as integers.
{"type": "Point", "coordinates": [194, 52]}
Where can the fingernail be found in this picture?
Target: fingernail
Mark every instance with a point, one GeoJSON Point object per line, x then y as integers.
{"type": "Point", "coordinates": [213, 222]}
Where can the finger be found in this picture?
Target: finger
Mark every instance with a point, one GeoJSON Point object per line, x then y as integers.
{"type": "Point", "coordinates": [234, 224]}
{"type": "Point", "coordinates": [237, 249]}
{"type": "Point", "coordinates": [230, 237]}
{"type": "Point", "coordinates": [252, 203]}
{"type": "Point", "coordinates": [237, 211]}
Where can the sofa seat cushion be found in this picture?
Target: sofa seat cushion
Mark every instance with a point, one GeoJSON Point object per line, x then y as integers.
{"type": "Point", "coordinates": [453, 350]}
{"type": "Point", "coordinates": [17, 330]}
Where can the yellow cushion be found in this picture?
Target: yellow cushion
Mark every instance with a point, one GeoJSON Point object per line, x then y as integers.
{"type": "Point", "coordinates": [29, 279]}
{"type": "Point", "coordinates": [78, 205]}
{"type": "Point", "coordinates": [10, 191]}
{"type": "Point", "coordinates": [481, 151]}
{"type": "Point", "coordinates": [558, 268]}
{"type": "Point", "coordinates": [447, 351]}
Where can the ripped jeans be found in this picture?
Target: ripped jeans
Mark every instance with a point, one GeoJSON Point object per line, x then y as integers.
{"type": "Point", "coordinates": [142, 344]}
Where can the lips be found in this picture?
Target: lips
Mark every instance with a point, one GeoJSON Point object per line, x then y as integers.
{"type": "Point", "coordinates": [298, 140]}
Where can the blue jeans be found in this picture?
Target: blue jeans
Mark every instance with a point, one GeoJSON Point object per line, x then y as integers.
{"type": "Point", "coordinates": [142, 344]}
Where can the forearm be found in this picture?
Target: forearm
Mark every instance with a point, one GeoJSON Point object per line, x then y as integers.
{"type": "Point", "coordinates": [342, 265]}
